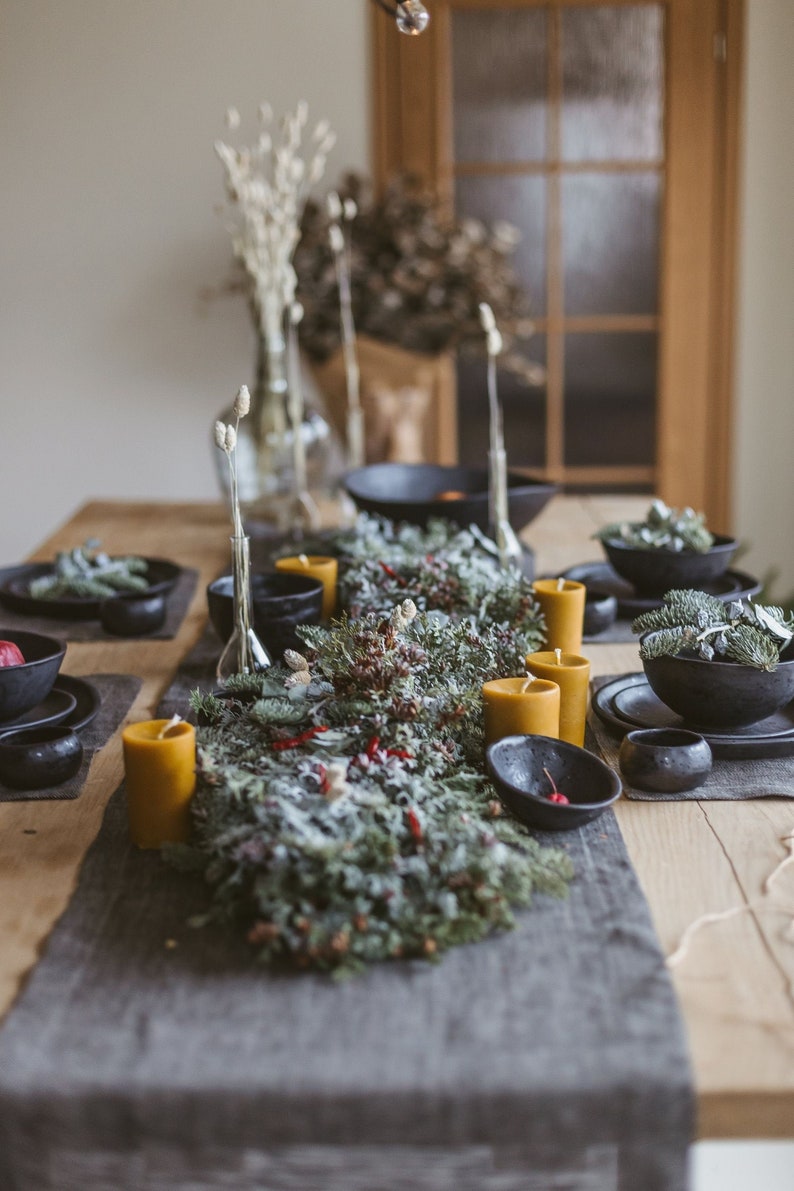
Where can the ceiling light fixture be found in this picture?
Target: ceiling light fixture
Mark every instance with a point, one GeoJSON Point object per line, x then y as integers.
{"type": "Point", "coordinates": [411, 15]}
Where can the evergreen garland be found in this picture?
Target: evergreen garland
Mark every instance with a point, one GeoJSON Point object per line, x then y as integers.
{"type": "Point", "coordinates": [341, 813]}
{"type": "Point", "coordinates": [87, 572]}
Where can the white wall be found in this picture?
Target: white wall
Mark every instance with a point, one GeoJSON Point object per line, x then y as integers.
{"type": "Point", "coordinates": [764, 426]}
{"type": "Point", "coordinates": [111, 368]}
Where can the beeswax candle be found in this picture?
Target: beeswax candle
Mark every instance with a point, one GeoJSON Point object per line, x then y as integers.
{"type": "Point", "coordinates": [160, 777]}
{"type": "Point", "coordinates": [571, 672]}
{"type": "Point", "coordinates": [562, 604]}
{"type": "Point", "coordinates": [520, 707]}
{"type": "Point", "coordinates": [318, 566]}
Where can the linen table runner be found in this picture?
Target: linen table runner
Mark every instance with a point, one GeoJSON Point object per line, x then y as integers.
{"type": "Point", "coordinates": [145, 1053]}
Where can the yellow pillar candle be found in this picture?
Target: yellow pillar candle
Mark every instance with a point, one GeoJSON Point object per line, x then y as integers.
{"type": "Point", "coordinates": [571, 672]}
{"type": "Point", "coordinates": [520, 707]}
{"type": "Point", "coordinates": [160, 777]}
{"type": "Point", "coordinates": [562, 604]}
{"type": "Point", "coordinates": [318, 566]}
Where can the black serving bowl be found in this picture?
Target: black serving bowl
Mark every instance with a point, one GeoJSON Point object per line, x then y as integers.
{"type": "Point", "coordinates": [22, 687]}
{"type": "Point", "coordinates": [656, 571]}
{"type": "Point", "coordinates": [665, 760]}
{"type": "Point", "coordinates": [33, 758]}
{"type": "Point", "coordinates": [281, 601]}
{"type": "Point", "coordinates": [417, 492]}
{"type": "Point", "coordinates": [516, 764]}
{"type": "Point", "coordinates": [132, 614]}
{"type": "Point", "coordinates": [716, 694]}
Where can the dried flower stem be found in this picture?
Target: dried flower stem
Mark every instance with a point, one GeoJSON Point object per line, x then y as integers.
{"type": "Point", "coordinates": [340, 246]}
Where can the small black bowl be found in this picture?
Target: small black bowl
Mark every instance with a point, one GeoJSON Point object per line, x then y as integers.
{"type": "Point", "coordinates": [654, 572]}
{"type": "Point", "coordinates": [34, 758]}
{"type": "Point", "coordinates": [600, 612]}
{"type": "Point", "coordinates": [720, 695]}
{"type": "Point", "coordinates": [281, 600]}
{"type": "Point", "coordinates": [132, 614]}
{"type": "Point", "coordinates": [418, 492]}
{"type": "Point", "coordinates": [22, 687]}
{"type": "Point", "coordinates": [665, 760]}
{"type": "Point", "coordinates": [516, 764]}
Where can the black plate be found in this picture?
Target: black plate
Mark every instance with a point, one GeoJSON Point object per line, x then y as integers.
{"type": "Point", "coordinates": [88, 700]}
{"type": "Point", "coordinates": [55, 707]}
{"type": "Point", "coordinates": [733, 585]}
{"type": "Point", "coordinates": [15, 583]}
{"type": "Point", "coordinates": [628, 702]}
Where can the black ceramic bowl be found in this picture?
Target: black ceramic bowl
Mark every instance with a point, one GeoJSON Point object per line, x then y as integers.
{"type": "Point", "coordinates": [654, 572]}
{"type": "Point", "coordinates": [22, 687]}
{"type": "Point", "coordinates": [600, 612]}
{"type": "Point", "coordinates": [132, 614]}
{"type": "Point", "coordinates": [716, 695]}
{"type": "Point", "coordinates": [281, 601]}
{"type": "Point", "coordinates": [665, 760]}
{"type": "Point", "coordinates": [516, 764]}
{"type": "Point", "coordinates": [33, 758]}
{"type": "Point", "coordinates": [417, 492]}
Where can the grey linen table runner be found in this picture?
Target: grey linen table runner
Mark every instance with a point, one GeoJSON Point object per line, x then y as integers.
{"type": "Point", "coordinates": [146, 1054]}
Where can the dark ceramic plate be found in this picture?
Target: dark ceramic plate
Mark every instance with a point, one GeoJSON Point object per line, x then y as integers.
{"type": "Point", "coordinates": [87, 700]}
{"type": "Point", "coordinates": [55, 707]}
{"type": "Point", "coordinates": [733, 585]}
{"type": "Point", "coordinates": [15, 583]}
{"type": "Point", "coordinates": [628, 702]}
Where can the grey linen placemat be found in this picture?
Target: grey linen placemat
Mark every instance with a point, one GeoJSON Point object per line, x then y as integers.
{"type": "Point", "coordinates": [117, 692]}
{"type": "Point", "coordinates": [767, 777]}
{"type": "Point", "coordinates": [177, 603]}
{"type": "Point", "coordinates": [550, 1056]}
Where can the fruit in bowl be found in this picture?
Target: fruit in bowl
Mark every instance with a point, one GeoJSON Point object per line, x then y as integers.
{"type": "Point", "coordinates": [719, 666]}
{"type": "Point", "coordinates": [670, 549]}
{"type": "Point", "coordinates": [25, 683]}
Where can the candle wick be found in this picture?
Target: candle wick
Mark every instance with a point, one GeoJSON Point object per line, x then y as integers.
{"type": "Point", "coordinates": [558, 656]}
{"type": "Point", "coordinates": [560, 584]}
{"type": "Point", "coordinates": [528, 683]}
{"type": "Point", "coordinates": [166, 728]}
{"type": "Point", "coordinates": [303, 559]}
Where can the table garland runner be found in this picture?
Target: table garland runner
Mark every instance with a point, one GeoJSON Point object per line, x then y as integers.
{"type": "Point", "coordinates": [561, 1037]}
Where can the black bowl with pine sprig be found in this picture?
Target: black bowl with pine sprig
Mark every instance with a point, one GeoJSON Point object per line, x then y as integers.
{"type": "Point", "coordinates": [669, 549]}
{"type": "Point", "coordinates": [719, 666]}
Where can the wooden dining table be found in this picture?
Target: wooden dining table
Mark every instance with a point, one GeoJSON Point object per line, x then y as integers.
{"type": "Point", "coordinates": [693, 858]}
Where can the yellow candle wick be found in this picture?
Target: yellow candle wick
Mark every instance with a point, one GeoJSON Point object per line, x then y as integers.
{"type": "Point", "coordinates": [560, 585]}
{"type": "Point", "coordinates": [303, 560]}
{"type": "Point", "coordinates": [558, 656]}
{"type": "Point", "coordinates": [166, 728]}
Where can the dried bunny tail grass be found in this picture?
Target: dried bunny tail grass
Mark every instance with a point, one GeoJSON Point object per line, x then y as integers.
{"type": "Point", "coordinates": [242, 402]}
{"type": "Point", "coordinates": [220, 435]}
{"type": "Point", "coordinates": [231, 439]}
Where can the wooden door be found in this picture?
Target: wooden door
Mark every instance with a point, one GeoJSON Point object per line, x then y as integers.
{"type": "Point", "coordinates": [607, 132]}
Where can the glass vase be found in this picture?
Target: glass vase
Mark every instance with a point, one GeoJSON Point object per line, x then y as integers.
{"type": "Point", "coordinates": [280, 480]}
{"type": "Point", "coordinates": [243, 653]}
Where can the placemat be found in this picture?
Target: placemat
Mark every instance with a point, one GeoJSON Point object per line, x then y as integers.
{"type": "Point", "coordinates": [549, 1056]}
{"type": "Point", "coordinates": [118, 692]}
{"type": "Point", "coordinates": [177, 603]}
{"type": "Point", "coordinates": [768, 777]}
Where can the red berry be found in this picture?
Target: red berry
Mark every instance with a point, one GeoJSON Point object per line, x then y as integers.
{"type": "Point", "coordinates": [10, 654]}
{"type": "Point", "coordinates": [558, 797]}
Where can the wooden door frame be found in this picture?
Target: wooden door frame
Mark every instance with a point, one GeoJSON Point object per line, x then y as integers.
{"type": "Point", "coordinates": [412, 130]}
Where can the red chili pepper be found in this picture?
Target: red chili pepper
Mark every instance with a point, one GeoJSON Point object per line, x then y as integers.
{"type": "Point", "coordinates": [415, 825]}
{"type": "Point", "coordinates": [406, 756]}
{"type": "Point", "coordinates": [294, 741]}
{"type": "Point", "coordinates": [372, 747]}
{"type": "Point", "coordinates": [393, 574]}
{"type": "Point", "coordinates": [322, 773]}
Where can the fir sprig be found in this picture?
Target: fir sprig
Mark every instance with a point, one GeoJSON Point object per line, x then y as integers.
{"type": "Point", "coordinates": [700, 624]}
{"type": "Point", "coordinates": [664, 528]}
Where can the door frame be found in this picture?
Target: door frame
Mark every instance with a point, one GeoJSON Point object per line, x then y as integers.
{"type": "Point", "coordinates": [412, 132]}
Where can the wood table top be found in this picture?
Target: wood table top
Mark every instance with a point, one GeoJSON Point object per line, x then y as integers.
{"type": "Point", "coordinates": [736, 983]}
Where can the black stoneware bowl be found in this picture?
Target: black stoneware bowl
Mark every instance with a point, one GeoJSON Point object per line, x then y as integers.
{"type": "Point", "coordinates": [132, 614]}
{"type": "Point", "coordinates": [281, 601]}
{"type": "Point", "coordinates": [33, 758]}
{"type": "Point", "coordinates": [600, 612]}
{"type": "Point", "coordinates": [664, 760]}
{"type": "Point", "coordinates": [654, 572]}
{"type": "Point", "coordinates": [22, 687]}
{"type": "Point", "coordinates": [516, 764]}
{"type": "Point", "coordinates": [417, 492]}
{"type": "Point", "coordinates": [715, 695]}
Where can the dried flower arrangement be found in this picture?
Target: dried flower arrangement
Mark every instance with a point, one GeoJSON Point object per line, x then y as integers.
{"type": "Point", "coordinates": [417, 275]}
